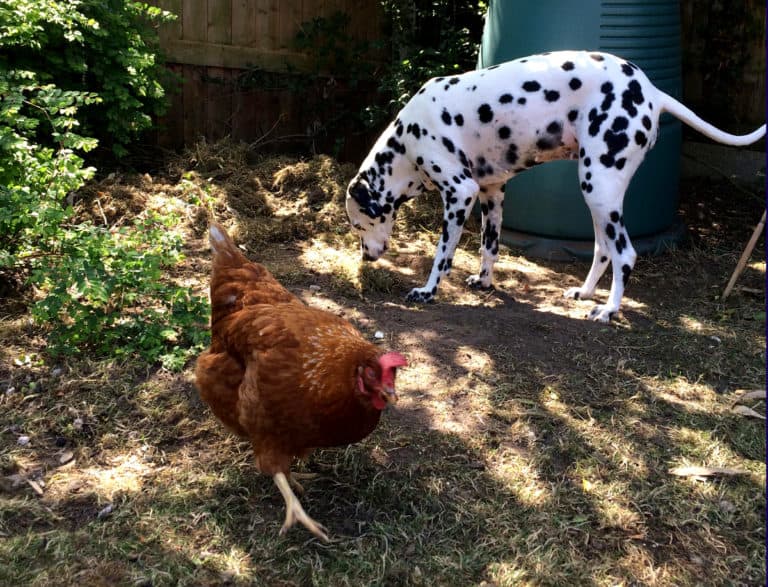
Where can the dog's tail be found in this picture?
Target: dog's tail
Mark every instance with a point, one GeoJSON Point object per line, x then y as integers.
{"type": "Point", "coordinates": [669, 104]}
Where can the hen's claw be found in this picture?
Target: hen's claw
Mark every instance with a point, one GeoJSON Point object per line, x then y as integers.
{"type": "Point", "coordinates": [294, 512]}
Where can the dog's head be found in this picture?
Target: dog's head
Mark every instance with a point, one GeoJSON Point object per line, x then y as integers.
{"type": "Point", "coordinates": [371, 217]}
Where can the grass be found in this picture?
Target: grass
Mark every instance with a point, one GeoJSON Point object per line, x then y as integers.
{"type": "Point", "coordinates": [530, 447]}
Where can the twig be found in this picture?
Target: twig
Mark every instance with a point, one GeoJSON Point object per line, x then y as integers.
{"type": "Point", "coordinates": [744, 257]}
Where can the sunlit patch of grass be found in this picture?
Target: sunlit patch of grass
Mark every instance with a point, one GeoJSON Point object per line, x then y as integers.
{"type": "Point", "coordinates": [538, 457]}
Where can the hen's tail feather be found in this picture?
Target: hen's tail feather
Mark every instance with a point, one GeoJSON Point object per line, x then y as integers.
{"type": "Point", "coordinates": [224, 248]}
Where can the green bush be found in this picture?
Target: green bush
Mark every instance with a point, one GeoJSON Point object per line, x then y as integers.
{"type": "Point", "coordinates": [100, 290]}
{"type": "Point", "coordinates": [429, 38]}
{"type": "Point", "coordinates": [104, 46]}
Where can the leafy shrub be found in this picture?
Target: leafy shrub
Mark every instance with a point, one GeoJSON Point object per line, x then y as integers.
{"type": "Point", "coordinates": [99, 290]}
{"type": "Point", "coordinates": [104, 46]}
{"type": "Point", "coordinates": [106, 293]}
{"type": "Point", "coordinates": [429, 38]}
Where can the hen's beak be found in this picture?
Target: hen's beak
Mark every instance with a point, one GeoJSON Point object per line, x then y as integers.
{"type": "Point", "coordinates": [389, 395]}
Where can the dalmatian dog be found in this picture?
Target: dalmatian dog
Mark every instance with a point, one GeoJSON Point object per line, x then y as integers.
{"type": "Point", "coordinates": [468, 134]}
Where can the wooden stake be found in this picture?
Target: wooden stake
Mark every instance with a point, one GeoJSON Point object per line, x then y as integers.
{"type": "Point", "coordinates": [744, 257]}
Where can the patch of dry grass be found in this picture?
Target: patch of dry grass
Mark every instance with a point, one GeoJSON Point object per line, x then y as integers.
{"type": "Point", "coordinates": [529, 448]}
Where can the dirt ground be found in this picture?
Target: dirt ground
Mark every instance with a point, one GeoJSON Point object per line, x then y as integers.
{"type": "Point", "coordinates": [530, 446]}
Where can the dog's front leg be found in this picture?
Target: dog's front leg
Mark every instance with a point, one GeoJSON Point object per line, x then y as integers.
{"type": "Point", "coordinates": [457, 205]}
{"type": "Point", "coordinates": [491, 208]}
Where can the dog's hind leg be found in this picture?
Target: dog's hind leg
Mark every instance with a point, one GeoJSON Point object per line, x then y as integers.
{"type": "Point", "coordinates": [457, 205]}
{"type": "Point", "coordinates": [491, 207]}
{"type": "Point", "coordinates": [604, 194]}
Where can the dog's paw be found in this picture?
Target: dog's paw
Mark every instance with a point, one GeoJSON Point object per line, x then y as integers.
{"type": "Point", "coordinates": [602, 314]}
{"type": "Point", "coordinates": [576, 293]}
{"type": "Point", "coordinates": [477, 282]}
{"type": "Point", "coordinates": [420, 295]}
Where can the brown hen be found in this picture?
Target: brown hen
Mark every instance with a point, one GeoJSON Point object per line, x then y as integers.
{"type": "Point", "coordinates": [288, 377]}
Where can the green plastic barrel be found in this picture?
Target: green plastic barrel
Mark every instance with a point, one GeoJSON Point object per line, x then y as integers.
{"type": "Point", "coordinates": [544, 211]}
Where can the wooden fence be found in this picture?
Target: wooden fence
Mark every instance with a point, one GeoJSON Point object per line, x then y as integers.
{"type": "Point", "coordinates": [238, 64]}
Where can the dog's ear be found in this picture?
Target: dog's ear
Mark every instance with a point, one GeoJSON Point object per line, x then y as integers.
{"type": "Point", "coordinates": [362, 195]}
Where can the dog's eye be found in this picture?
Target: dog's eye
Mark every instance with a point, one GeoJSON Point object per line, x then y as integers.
{"type": "Point", "coordinates": [357, 226]}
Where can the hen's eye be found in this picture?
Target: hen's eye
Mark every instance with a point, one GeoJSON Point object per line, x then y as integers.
{"type": "Point", "coordinates": [370, 373]}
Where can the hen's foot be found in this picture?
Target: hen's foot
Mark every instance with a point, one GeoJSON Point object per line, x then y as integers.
{"type": "Point", "coordinates": [294, 512]}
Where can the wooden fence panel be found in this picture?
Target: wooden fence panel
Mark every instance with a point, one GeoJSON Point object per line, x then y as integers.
{"type": "Point", "coordinates": [214, 42]}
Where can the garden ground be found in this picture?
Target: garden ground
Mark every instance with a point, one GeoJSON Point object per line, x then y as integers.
{"type": "Point", "coordinates": [530, 446]}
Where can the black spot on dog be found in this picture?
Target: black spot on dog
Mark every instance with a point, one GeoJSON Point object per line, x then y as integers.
{"type": "Point", "coordinates": [607, 89]}
{"type": "Point", "coordinates": [446, 117]}
{"type": "Point", "coordinates": [588, 175]}
{"type": "Point", "coordinates": [616, 142]}
{"type": "Point", "coordinates": [448, 143]}
{"type": "Point", "coordinates": [504, 132]}
{"type": "Point", "coordinates": [568, 66]}
{"type": "Point", "coordinates": [505, 98]}
{"type": "Point", "coordinates": [546, 143]}
{"type": "Point", "coordinates": [511, 155]}
{"type": "Point", "coordinates": [436, 169]}
{"type": "Point", "coordinates": [647, 123]}
{"type": "Point", "coordinates": [627, 69]}
{"type": "Point", "coordinates": [607, 160]}
{"type": "Point", "coordinates": [640, 138]}
{"type": "Point", "coordinates": [574, 84]}
{"type": "Point", "coordinates": [587, 162]}
{"type": "Point", "coordinates": [572, 115]}
{"type": "Point", "coordinates": [485, 113]}
{"type": "Point", "coordinates": [453, 81]}
{"type": "Point", "coordinates": [459, 120]}
{"type": "Point", "coordinates": [603, 259]}
{"type": "Point", "coordinates": [554, 128]}
{"type": "Point", "coordinates": [620, 163]}
{"type": "Point", "coordinates": [597, 57]}
{"type": "Point", "coordinates": [395, 145]}
{"type": "Point", "coordinates": [619, 123]}
{"type": "Point", "coordinates": [614, 216]}
{"type": "Point", "coordinates": [610, 231]}
{"type": "Point", "coordinates": [414, 129]}
{"type": "Point", "coordinates": [384, 158]}
{"type": "Point", "coordinates": [531, 86]}
{"type": "Point", "coordinates": [631, 96]}
{"type": "Point", "coordinates": [621, 243]}
{"type": "Point", "coordinates": [420, 160]}
{"type": "Point", "coordinates": [596, 120]}
{"type": "Point", "coordinates": [552, 95]}
{"type": "Point", "coordinates": [626, 271]}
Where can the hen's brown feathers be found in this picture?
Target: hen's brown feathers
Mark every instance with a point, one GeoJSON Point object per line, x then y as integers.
{"type": "Point", "coordinates": [279, 372]}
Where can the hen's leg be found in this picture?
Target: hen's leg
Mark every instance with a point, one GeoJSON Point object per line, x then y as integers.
{"type": "Point", "coordinates": [294, 512]}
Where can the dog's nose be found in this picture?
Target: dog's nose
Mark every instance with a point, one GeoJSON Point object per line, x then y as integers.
{"type": "Point", "coordinates": [368, 257]}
